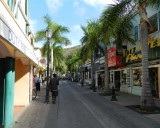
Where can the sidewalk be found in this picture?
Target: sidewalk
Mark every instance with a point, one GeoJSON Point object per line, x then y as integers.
{"type": "Point", "coordinates": [36, 114]}
{"type": "Point", "coordinates": [126, 99]}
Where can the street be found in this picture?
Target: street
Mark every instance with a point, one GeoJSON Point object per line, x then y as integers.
{"type": "Point", "coordinates": [79, 107]}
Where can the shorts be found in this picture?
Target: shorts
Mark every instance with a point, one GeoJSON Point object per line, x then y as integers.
{"type": "Point", "coordinates": [37, 86]}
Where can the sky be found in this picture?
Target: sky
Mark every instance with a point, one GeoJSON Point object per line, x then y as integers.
{"type": "Point", "coordinates": [69, 13]}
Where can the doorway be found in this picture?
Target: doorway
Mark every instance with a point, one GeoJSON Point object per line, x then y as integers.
{"type": "Point", "coordinates": [153, 75]}
{"type": "Point", "coordinates": [117, 80]}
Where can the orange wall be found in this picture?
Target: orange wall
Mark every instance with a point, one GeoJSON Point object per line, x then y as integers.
{"type": "Point", "coordinates": [21, 94]}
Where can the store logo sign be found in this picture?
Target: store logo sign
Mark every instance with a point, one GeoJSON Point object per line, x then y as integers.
{"type": "Point", "coordinates": [16, 41]}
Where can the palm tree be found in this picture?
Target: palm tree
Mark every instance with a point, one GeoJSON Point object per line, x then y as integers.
{"type": "Point", "coordinates": [58, 57]}
{"type": "Point", "coordinates": [147, 101]}
{"type": "Point", "coordinates": [74, 61]}
{"type": "Point", "coordinates": [115, 28]}
{"type": "Point", "coordinates": [90, 41]}
{"type": "Point", "coordinates": [56, 38]}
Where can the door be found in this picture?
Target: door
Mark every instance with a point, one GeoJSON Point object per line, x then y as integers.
{"type": "Point", "coordinates": [117, 80]}
{"type": "Point", "coordinates": [153, 75]}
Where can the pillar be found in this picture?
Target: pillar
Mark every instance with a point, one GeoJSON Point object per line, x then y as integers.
{"type": "Point", "coordinates": [2, 90]}
{"type": "Point", "coordinates": [9, 92]}
{"type": "Point", "coordinates": [7, 76]}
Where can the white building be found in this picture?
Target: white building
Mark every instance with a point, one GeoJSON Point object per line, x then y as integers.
{"type": "Point", "coordinates": [17, 59]}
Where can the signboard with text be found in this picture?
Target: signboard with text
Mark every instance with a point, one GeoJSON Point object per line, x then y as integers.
{"type": "Point", "coordinates": [113, 58]}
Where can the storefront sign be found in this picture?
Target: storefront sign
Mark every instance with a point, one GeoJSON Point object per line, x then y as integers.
{"type": "Point", "coordinates": [43, 60]}
{"type": "Point", "coordinates": [13, 39]}
{"type": "Point", "coordinates": [113, 59]}
{"type": "Point", "coordinates": [133, 54]}
{"type": "Point", "coordinates": [111, 52]}
{"type": "Point", "coordinates": [153, 42]}
{"type": "Point", "coordinates": [19, 41]}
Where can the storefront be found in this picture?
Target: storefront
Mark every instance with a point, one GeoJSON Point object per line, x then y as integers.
{"type": "Point", "coordinates": [132, 58]}
{"type": "Point", "coordinates": [116, 68]}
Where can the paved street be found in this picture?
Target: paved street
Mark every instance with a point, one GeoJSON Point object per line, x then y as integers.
{"type": "Point", "coordinates": [79, 107]}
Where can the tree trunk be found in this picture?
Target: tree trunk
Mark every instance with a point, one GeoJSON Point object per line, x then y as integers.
{"type": "Point", "coordinates": [92, 72]}
{"type": "Point", "coordinates": [147, 101]}
{"type": "Point", "coordinates": [106, 79]}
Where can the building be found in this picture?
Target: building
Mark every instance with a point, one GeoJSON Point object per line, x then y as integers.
{"type": "Point", "coordinates": [17, 59]}
{"type": "Point", "coordinates": [124, 65]}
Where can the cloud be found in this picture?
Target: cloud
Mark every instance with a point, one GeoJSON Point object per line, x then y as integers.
{"type": "Point", "coordinates": [78, 9]}
{"type": "Point", "coordinates": [97, 3]}
{"type": "Point", "coordinates": [33, 24]}
{"type": "Point", "coordinates": [54, 5]}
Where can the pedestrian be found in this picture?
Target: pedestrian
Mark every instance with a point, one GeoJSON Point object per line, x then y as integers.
{"type": "Point", "coordinates": [34, 80]}
{"type": "Point", "coordinates": [37, 82]}
{"type": "Point", "coordinates": [43, 79]}
{"type": "Point", "coordinates": [53, 85]}
{"type": "Point", "coordinates": [99, 81]}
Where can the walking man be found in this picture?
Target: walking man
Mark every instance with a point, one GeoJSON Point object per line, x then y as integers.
{"type": "Point", "coordinates": [37, 82]}
{"type": "Point", "coordinates": [99, 81]}
{"type": "Point", "coordinates": [53, 85]}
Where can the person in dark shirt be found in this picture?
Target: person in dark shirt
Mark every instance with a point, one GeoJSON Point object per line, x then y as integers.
{"type": "Point", "coordinates": [99, 81]}
{"type": "Point", "coordinates": [53, 85]}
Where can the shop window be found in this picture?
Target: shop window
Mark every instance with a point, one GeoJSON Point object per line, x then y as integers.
{"type": "Point", "coordinates": [135, 33]}
{"type": "Point", "coordinates": [137, 77]}
{"type": "Point", "coordinates": [11, 4]}
{"type": "Point", "coordinates": [89, 73]}
{"type": "Point", "coordinates": [111, 77]}
{"type": "Point", "coordinates": [154, 22]}
{"type": "Point", "coordinates": [124, 75]}
{"type": "Point", "coordinates": [86, 75]}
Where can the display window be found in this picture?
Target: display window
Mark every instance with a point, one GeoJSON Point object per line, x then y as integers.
{"type": "Point", "coordinates": [111, 77]}
{"type": "Point", "coordinates": [124, 75]}
{"type": "Point", "coordinates": [137, 77]}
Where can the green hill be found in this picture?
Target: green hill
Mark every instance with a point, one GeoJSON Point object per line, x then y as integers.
{"type": "Point", "coordinates": [68, 51]}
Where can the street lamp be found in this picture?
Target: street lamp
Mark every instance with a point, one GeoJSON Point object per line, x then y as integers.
{"type": "Point", "coordinates": [48, 36]}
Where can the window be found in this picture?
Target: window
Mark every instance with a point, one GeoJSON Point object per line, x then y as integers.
{"type": "Point", "coordinates": [111, 77]}
{"type": "Point", "coordinates": [137, 77]}
{"type": "Point", "coordinates": [26, 7]}
{"type": "Point", "coordinates": [154, 22]}
{"type": "Point", "coordinates": [135, 33]}
{"type": "Point", "coordinates": [159, 19]}
{"type": "Point", "coordinates": [11, 4]}
{"type": "Point", "coordinates": [124, 75]}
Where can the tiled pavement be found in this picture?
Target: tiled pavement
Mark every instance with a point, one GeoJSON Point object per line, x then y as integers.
{"type": "Point", "coordinates": [34, 115]}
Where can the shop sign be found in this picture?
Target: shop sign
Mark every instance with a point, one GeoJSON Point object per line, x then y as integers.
{"type": "Point", "coordinates": [111, 52]}
{"type": "Point", "coordinates": [132, 55]}
{"type": "Point", "coordinates": [43, 60]}
{"type": "Point", "coordinates": [152, 42]}
{"type": "Point", "coordinates": [113, 59]}
{"type": "Point", "coordinates": [13, 39]}
{"type": "Point", "coordinates": [135, 55]}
